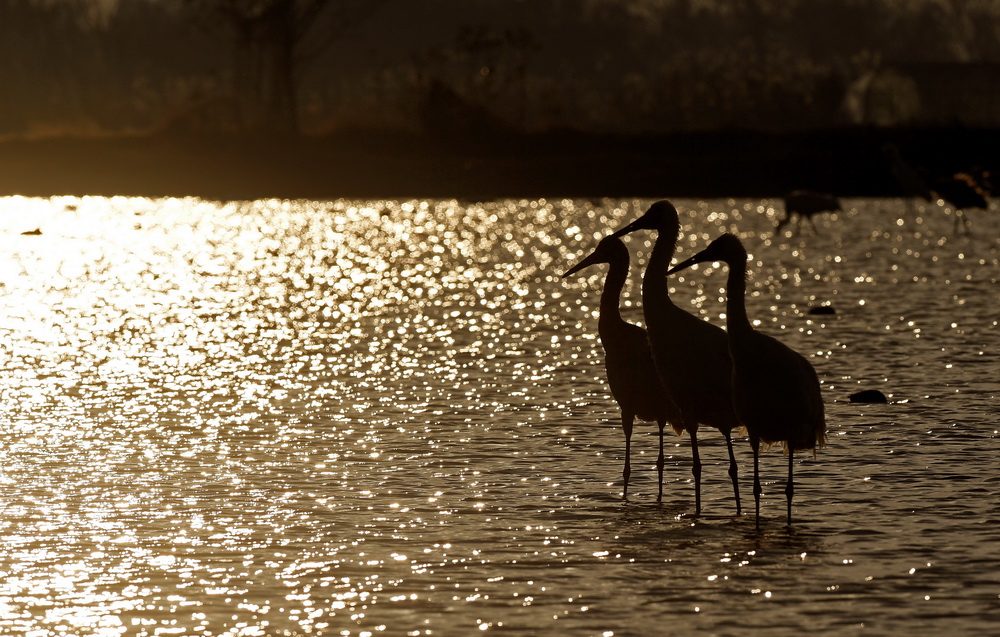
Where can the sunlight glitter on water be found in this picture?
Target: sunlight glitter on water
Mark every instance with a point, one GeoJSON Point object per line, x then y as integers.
{"type": "Point", "coordinates": [280, 417]}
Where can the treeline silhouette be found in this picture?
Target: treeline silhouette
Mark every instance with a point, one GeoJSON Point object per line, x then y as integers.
{"type": "Point", "coordinates": [86, 67]}
{"type": "Point", "coordinates": [485, 98]}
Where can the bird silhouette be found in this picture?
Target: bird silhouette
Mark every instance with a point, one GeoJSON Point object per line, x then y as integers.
{"type": "Point", "coordinates": [960, 190]}
{"type": "Point", "coordinates": [627, 358]}
{"type": "Point", "coordinates": [776, 392]}
{"type": "Point", "coordinates": [986, 181]}
{"type": "Point", "coordinates": [805, 204]}
{"type": "Point", "coordinates": [691, 355]}
{"type": "Point", "coordinates": [910, 181]}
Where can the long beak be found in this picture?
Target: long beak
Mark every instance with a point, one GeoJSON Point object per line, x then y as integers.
{"type": "Point", "coordinates": [588, 261]}
{"type": "Point", "coordinates": [698, 258]}
{"type": "Point", "coordinates": [630, 228]}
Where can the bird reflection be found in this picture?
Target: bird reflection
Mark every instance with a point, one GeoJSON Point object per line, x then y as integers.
{"type": "Point", "coordinates": [776, 392]}
{"type": "Point", "coordinates": [691, 356]}
{"type": "Point", "coordinates": [804, 204]}
{"type": "Point", "coordinates": [627, 358]}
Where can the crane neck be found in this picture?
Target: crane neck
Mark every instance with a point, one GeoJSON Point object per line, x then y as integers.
{"type": "Point", "coordinates": [737, 322]}
{"type": "Point", "coordinates": [614, 282]}
{"type": "Point", "coordinates": [655, 284]}
{"type": "Point", "coordinates": [663, 250]}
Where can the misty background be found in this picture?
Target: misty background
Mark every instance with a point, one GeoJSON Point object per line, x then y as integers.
{"type": "Point", "coordinates": [467, 72]}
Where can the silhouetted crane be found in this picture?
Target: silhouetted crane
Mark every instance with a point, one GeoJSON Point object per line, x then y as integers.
{"type": "Point", "coordinates": [691, 355]}
{"type": "Point", "coordinates": [959, 190]}
{"type": "Point", "coordinates": [627, 359]}
{"type": "Point", "coordinates": [805, 204]}
{"type": "Point", "coordinates": [986, 181]}
{"type": "Point", "coordinates": [910, 182]}
{"type": "Point", "coordinates": [962, 192]}
{"type": "Point", "coordinates": [776, 392]}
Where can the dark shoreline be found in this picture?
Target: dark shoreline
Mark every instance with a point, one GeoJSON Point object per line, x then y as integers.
{"type": "Point", "coordinates": [365, 164]}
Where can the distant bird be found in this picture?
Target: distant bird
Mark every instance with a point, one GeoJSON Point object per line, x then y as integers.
{"type": "Point", "coordinates": [911, 183]}
{"type": "Point", "coordinates": [776, 391]}
{"type": "Point", "coordinates": [805, 204]}
{"type": "Point", "coordinates": [691, 355]}
{"type": "Point", "coordinates": [984, 177]}
{"type": "Point", "coordinates": [962, 191]}
{"type": "Point", "coordinates": [627, 358]}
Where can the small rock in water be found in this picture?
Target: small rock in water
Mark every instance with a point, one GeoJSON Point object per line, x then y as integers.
{"type": "Point", "coordinates": [822, 309]}
{"type": "Point", "coordinates": [869, 396]}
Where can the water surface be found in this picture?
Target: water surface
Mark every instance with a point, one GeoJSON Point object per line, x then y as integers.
{"type": "Point", "coordinates": [278, 418]}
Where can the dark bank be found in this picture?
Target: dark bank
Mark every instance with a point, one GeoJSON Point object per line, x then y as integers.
{"type": "Point", "coordinates": [488, 164]}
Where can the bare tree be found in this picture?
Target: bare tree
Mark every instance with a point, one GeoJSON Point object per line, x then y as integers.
{"type": "Point", "coordinates": [268, 50]}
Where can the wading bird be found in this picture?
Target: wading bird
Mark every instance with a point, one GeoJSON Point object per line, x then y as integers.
{"type": "Point", "coordinates": [910, 182]}
{"type": "Point", "coordinates": [691, 355]}
{"type": "Point", "coordinates": [776, 391]}
{"type": "Point", "coordinates": [805, 204]}
{"type": "Point", "coordinates": [627, 359]}
{"type": "Point", "coordinates": [959, 190]}
{"type": "Point", "coordinates": [962, 191]}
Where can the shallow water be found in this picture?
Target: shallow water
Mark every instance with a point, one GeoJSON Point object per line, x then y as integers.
{"type": "Point", "coordinates": [271, 418]}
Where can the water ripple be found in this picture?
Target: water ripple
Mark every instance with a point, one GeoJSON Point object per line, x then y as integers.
{"type": "Point", "coordinates": [300, 417]}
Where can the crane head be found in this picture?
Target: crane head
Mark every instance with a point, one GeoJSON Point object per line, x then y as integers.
{"type": "Point", "coordinates": [609, 250]}
{"type": "Point", "coordinates": [659, 216]}
{"type": "Point", "coordinates": [726, 247]}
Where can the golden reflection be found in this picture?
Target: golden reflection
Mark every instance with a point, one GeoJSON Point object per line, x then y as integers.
{"type": "Point", "coordinates": [295, 417]}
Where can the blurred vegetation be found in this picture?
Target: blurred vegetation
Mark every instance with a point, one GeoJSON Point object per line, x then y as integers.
{"type": "Point", "coordinates": [447, 67]}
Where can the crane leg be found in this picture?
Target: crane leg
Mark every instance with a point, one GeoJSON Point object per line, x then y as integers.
{"type": "Point", "coordinates": [781, 224]}
{"type": "Point", "coordinates": [734, 471]}
{"type": "Point", "coordinates": [627, 420]}
{"type": "Point", "coordinates": [790, 486]}
{"type": "Point", "coordinates": [659, 462]}
{"type": "Point", "coordinates": [962, 222]}
{"type": "Point", "coordinates": [755, 446]}
{"type": "Point", "coordinates": [696, 469]}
